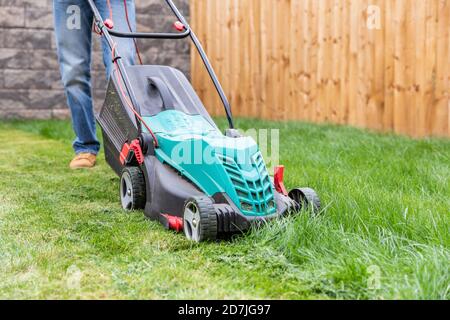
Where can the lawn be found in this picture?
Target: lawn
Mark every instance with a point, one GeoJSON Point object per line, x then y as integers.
{"type": "Point", "coordinates": [384, 232]}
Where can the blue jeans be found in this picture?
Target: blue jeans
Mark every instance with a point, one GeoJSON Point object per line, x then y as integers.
{"type": "Point", "coordinates": [73, 28]}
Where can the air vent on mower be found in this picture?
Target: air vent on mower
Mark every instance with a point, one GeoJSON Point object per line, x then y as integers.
{"type": "Point", "coordinates": [255, 195]}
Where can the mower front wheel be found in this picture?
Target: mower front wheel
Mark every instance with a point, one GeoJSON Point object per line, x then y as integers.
{"type": "Point", "coordinates": [200, 220]}
{"type": "Point", "coordinates": [306, 198]}
{"type": "Point", "coordinates": [132, 189]}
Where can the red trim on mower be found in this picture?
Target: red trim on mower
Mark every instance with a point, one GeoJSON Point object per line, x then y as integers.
{"type": "Point", "coordinates": [109, 23]}
{"type": "Point", "coordinates": [174, 223]}
{"type": "Point", "coordinates": [278, 180]}
{"type": "Point", "coordinates": [124, 153]}
{"type": "Point", "coordinates": [135, 147]}
{"type": "Point", "coordinates": [178, 25]}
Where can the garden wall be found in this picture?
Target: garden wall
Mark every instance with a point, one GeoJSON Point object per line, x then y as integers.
{"type": "Point", "coordinates": [30, 85]}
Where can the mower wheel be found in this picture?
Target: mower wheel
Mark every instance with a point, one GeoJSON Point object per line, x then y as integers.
{"type": "Point", "coordinates": [200, 219]}
{"type": "Point", "coordinates": [306, 198]}
{"type": "Point", "coordinates": [132, 189]}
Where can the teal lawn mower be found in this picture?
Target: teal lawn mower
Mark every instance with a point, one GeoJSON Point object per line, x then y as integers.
{"type": "Point", "coordinates": [174, 162]}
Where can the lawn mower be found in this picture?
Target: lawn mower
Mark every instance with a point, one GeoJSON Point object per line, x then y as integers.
{"type": "Point", "coordinates": [173, 161]}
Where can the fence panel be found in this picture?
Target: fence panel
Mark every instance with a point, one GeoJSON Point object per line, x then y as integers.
{"type": "Point", "coordinates": [379, 64]}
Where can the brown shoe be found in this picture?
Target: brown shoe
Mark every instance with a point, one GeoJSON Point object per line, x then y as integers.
{"type": "Point", "coordinates": [83, 161]}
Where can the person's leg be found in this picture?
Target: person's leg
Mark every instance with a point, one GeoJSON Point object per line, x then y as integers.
{"type": "Point", "coordinates": [73, 29]}
{"type": "Point", "coordinates": [125, 47]}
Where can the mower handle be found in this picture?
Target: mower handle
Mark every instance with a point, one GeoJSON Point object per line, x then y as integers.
{"type": "Point", "coordinates": [146, 35]}
{"type": "Point", "coordinates": [151, 35]}
{"type": "Point", "coordinates": [107, 33]}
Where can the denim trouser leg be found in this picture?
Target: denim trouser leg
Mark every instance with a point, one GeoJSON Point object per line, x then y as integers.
{"type": "Point", "coordinates": [73, 29]}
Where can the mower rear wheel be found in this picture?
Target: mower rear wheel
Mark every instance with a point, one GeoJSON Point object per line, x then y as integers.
{"type": "Point", "coordinates": [132, 189]}
{"type": "Point", "coordinates": [200, 220]}
{"type": "Point", "coordinates": [306, 198]}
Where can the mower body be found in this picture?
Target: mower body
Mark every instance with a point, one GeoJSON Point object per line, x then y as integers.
{"type": "Point", "coordinates": [172, 159]}
{"type": "Point", "coordinates": [193, 157]}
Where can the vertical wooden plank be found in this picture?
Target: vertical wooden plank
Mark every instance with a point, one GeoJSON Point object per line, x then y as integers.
{"type": "Point", "coordinates": [201, 86]}
{"type": "Point", "coordinates": [448, 73]}
{"type": "Point", "coordinates": [264, 23]}
{"type": "Point", "coordinates": [389, 66]}
{"type": "Point", "coordinates": [420, 107]}
{"type": "Point", "coordinates": [244, 64]}
{"type": "Point", "coordinates": [269, 76]}
{"type": "Point", "coordinates": [284, 30]}
{"type": "Point", "coordinates": [227, 50]}
{"type": "Point", "coordinates": [211, 36]}
{"type": "Point", "coordinates": [219, 45]}
{"type": "Point", "coordinates": [235, 59]}
{"type": "Point", "coordinates": [296, 60]}
{"type": "Point", "coordinates": [370, 108]}
{"type": "Point", "coordinates": [377, 42]}
{"type": "Point", "coordinates": [430, 62]}
{"type": "Point", "coordinates": [207, 44]}
{"type": "Point", "coordinates": [336, 42]}
{"type": "Point", "coordinates": [279, 52]}
{"type": "Point", "coordinates": [254, 56]}
{"type": "Point", "coordinates": [306, 61]}
{"type": "Point", "coordinates": [353, 63]}
{"type": "Point", "coordinates": [313, 56]}
{"type": "Point", "coordinates": [411, 39]}
{"type": "Point", "coordinates": [273, 71]}
{"type": "Point", "coordinates": [329, 49]}
{"type": "Point", "coordinates": [322, 61]}
{"type": "Point", "coordinates": [344, 63]}
{"type": "Point", "coordinates": [400, 125]}
{"type": "Point", "coordinates": [441, 114]}
{"type": "Point", "coordinates": [363, 65]}
{"type": "Point", "coordinates": [274, 62]}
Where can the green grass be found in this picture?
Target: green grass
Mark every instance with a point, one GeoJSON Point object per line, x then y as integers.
{"type": "Point", "coordinates": [384, 232]}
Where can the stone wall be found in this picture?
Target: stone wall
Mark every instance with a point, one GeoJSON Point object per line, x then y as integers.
{"type": "Point", "coordinates": [30, 85]}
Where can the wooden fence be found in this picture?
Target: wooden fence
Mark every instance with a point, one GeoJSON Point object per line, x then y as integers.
{"type": "Point", "coordinates": [379, 64]}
